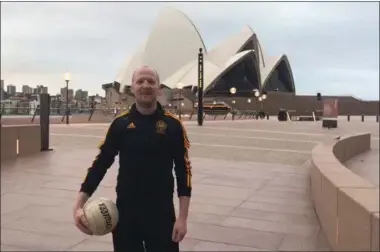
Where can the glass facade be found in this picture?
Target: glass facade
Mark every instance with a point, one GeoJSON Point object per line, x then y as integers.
{"type": "Point", "coordinates": [242, 76]}
{"type": "Point", "coordinates": [279, 80]}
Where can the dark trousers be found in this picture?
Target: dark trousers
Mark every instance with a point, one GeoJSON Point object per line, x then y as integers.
{"type": "Point", "coordinates": [144, 229]}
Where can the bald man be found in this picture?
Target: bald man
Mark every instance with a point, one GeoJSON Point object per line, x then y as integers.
{"type": "Point", "coordinates": [148, 140]}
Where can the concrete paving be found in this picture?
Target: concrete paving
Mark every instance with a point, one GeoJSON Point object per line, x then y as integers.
{"type": "Point", "coordinates": [250, 179]}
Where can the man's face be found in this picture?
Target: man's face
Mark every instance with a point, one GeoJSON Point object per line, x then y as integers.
{"type": "Point", "coordinates": [145, 86]}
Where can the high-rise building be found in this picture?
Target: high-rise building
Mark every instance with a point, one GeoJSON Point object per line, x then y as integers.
{"type": "Point", "coordinates": [40, 89]}
{"type": "Point", "coordinates": [27, 90]}
{"type": "Point", "coordinates": [11, 90]}
{"type": "Point", "coordinates": [81, 95]}
{"type": "Point", "coordinates": [63, 93]}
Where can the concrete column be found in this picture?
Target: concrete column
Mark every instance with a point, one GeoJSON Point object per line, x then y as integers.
{"type": "Point", "coordinates": [45, 121]}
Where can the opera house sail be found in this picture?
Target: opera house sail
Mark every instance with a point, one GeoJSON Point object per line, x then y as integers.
{"type": "Point", "coordinates": [239, 61]}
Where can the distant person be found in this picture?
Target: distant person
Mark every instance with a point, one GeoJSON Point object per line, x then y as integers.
{"type": "Point", "coordinates": [148, 140]}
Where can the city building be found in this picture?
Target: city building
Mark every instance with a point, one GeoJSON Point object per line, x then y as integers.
{"type": "Point", "coordinates": [40, 89]}
{"type": "Point", "coordinates": [11, 90]}
{"type": "Point", "coordinates": [63, 93]}
{"type": "Point", "coordinates": [27, 89]}
{"type": "Point", "coordinates": [81, 95]}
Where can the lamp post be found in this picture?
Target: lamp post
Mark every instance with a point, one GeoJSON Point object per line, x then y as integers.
{"type": "Point", "coordinates": [261, 98]}
{"type": "Point", "coordinates": [67, 79]}
{"type": "Point", "coordinates": [232, 92]}
{"type": "Point", "coordinates": [200, 87]}
{"type": "Point", "coordinates": [179, 87]}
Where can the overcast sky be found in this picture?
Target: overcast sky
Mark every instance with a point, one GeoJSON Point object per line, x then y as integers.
{"type": "Point", "coordinates": [333, 48]}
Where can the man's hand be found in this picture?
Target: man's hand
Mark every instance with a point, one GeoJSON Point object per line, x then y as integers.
{"type": "Point", "coordinates": [79, 216]}
{"type": "Point", "coordinates": [179, 230]}
{"type": "Point", "coordinates": [81, 221]}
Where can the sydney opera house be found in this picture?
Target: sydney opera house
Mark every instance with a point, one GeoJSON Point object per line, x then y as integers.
{"type": "Point", "coordinates": [238, 62]}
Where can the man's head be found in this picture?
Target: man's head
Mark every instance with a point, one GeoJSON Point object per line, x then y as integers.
{"type": "Point", "coordinates": [146, 86]}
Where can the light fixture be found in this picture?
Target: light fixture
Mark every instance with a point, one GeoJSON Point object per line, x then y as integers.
{"type": "Point", "coordinates": [233, 90]}
{"type": "Point", "coordinates": [170, 104]}
{"type": "Point", "coordinates": [67, 79]}
{"type": "Point", "coordinates": [67, 76]}
{"type": "Point", "coordinates": [264, 96]}
{"type": "Point", "coordinates": [249, 100]}
{"type": "Point", "coordinates": [256, 93]}
{"type": "Point", "coordinates": [233, 101]}
{"type": "Point", "coordinates": [182, 104]}
{"type": "Point", "coordinates": [260, 99]}
{"type": "Point", "coordinates": [214, 102]}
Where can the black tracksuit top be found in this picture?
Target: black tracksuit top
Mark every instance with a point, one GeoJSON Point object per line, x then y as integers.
{"type": "Point", "coordinates": [148, 146]}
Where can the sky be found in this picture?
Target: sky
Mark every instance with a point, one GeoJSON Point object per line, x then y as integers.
{"type": "Point", "coordinates": [333, 48]}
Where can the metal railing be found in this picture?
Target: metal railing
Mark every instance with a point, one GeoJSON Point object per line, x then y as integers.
{"type": "Point", "coordinates": [108, 114]}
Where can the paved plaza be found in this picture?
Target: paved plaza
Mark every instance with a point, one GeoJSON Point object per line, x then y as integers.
{"type": "Point", "coordinates": [250, 187]}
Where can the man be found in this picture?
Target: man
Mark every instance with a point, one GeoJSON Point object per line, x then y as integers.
{"type": "Point", "coordinates": [148, 140]}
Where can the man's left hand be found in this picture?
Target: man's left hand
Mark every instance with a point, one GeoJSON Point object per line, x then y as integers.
{"type": "Point", "coordinates": [179, 230]}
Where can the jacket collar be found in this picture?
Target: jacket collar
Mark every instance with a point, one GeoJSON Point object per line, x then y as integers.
{"type": "Point", "coordinates": [134, 112]}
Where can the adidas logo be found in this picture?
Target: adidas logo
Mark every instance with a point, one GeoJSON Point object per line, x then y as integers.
{"type": "Point", "coordinates": [131, 126]}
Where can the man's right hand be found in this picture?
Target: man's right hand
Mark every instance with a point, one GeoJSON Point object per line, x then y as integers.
{"type": "Point", "coordinates": [81, 221]}
{"type": "Point", "coordinates": [79, 216]}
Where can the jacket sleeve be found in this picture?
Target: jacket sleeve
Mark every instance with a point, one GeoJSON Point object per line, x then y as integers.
{"type": "Point", "coordinates": [109, 148]}
{"type": "Point", "coordinates": [182, 164]}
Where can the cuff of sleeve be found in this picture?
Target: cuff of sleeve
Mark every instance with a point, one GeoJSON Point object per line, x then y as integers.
{"type": "Point", "coordinates": [184, 192]}
{"type": "Point", "coordinates": [86, 189]}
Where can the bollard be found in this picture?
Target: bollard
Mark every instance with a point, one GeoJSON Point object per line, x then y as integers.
{"type": "Point", "coordinates": [267, 116]}
{"type": "Point", "coordinates": [45, 121]}
{"type": "Point", "coordinates": [362, 118]}
{"type": "Point", "coordinates": [348, 118]}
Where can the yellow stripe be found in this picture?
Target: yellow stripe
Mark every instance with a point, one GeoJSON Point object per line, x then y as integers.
{"type": "Point", "coordinates": [187, 146]}
{"type": "Point", "coordinates": [186, 139]}
{"type": "Point", "coordinates": [188, 169]}
{"type": "Point", "coordinates": [102, 142]}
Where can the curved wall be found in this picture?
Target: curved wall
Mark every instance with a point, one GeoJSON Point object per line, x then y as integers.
{"type": "Point", "coordinates": [346, 204]}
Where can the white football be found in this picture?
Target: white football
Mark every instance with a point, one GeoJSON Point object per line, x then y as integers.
{"type": "Point", "coordinates": [102, 216]}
